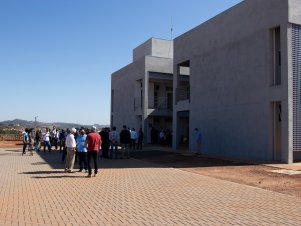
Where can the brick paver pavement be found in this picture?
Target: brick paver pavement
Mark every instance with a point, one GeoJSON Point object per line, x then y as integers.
{"type": "Point", "coordinates": [34, 190]}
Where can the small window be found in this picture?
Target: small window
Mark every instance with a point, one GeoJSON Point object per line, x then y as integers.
{"type": "Point", "coordinates": [276, 56]}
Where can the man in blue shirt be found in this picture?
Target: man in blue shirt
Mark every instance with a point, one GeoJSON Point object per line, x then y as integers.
{"type": "Point", "coordinates": [198, 140]}
{"type": "Point", "coordinates": [82, 150]}
{"type": "Point", "coordinates": [25, 141]}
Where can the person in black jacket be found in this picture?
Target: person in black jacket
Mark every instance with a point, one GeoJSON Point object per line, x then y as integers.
{"type": "Point", "coordinates": [105, 142]}
{"type": "Point", "coordinates": [140, 139]}
{"type": "Point", "coordinates": [125, 140]}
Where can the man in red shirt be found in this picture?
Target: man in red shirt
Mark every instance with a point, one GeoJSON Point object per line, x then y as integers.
{"type": "Point", "coordinates": [93, 143]}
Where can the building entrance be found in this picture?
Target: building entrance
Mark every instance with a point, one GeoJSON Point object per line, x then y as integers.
{"type": "Point", "coordinates": [183, 129]}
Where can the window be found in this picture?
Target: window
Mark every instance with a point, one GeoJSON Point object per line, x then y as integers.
{"type": "Point", "coordinates": [276, 51]}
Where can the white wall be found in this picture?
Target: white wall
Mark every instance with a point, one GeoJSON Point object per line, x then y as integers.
{"type": "Point", "coordinates": [231, 65]}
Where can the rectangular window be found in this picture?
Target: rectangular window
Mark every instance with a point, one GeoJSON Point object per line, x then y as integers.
{"type": "Point", "coordinates": [276, 46]}
{"type": "Point", "coordinates": [183, 81]}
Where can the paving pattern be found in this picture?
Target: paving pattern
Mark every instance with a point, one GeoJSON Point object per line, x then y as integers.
{"type": "Point", "coordinates": [34, 190]}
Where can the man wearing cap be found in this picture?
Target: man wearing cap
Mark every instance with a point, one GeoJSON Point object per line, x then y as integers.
{"type": "Point", "coordinates": [93, 143]}
{"type": "Point", "coordinates": [70, 144]}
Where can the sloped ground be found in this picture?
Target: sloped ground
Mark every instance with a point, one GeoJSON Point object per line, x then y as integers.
{"type": "Point", "coordinates": [244, 173]}
{"type": "Point", "coordinates": [35, 190]}
{"type": "Point", "coordinates": [256, 175]}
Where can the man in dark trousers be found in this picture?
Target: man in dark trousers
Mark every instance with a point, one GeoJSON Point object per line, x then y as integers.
{"type": "Point", "coordinates": [105, 144]}
{"type": "Point", "coordinates": [93, 143]}
{"type": "Point", "coordinates": [125, 140]}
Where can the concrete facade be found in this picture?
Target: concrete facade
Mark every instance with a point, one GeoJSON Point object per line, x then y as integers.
{"type": "Point", "coordinates": [141, 90]}
{"type": "Point", "coordinates": [242, 110]}
{"type": "Point", "coordinates": [236, 77]}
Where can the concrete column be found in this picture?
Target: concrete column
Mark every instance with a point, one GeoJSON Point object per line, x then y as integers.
{"type": "Point", "coordinates": [145, 106]}
{"type": "Point", "coordinates": [174, 111]}
{"type": "Point", "coordinates": [287, 71]}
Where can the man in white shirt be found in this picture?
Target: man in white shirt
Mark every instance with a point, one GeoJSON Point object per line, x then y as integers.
{"type": "Point", "coordinates": [70, 144]}
{"type": "Point", "coordinates": [113, 137]}
{"type": "Point", "coordinates": [46, 139]}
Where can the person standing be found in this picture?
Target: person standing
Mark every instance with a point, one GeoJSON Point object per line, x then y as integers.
{"type": "Point", "coordinates": [168, 138]}
{"type": "Point", "coordinates": [82, 150]}
{"type": "Point", "coordinates": [70, 144]}
{"type": "Point", "coordinates": [140, 139]}
{"type": "Point", "coordinates": [105, 142]}
{"type": "Point", "coordinates": [38, 140]}
{"type": "Point", "coordinates": [62, 138]}
{"type": "Point", "coordinates": [25, 141]}
{"type": "Point", "coordinates": [133, 139]}
{"type": "Point", "coordinates": [31, 143]}
{"type": "Point", "coordinates": [162, 137]}
{"type": "Point", "coordinates": [64, 152]}
{"type": "Point", "coordinates": [198, 141]}
{"type": "Point", "coordinates": [46, 139]}
{"type": "Point", "coordinates": [93, 143]}
{"type": "Point", "coordinates": [113, 136]}
{"type": "Point", "coordinates": [54, 137]}
{"type": "Point", "coordinates": [125, 140]}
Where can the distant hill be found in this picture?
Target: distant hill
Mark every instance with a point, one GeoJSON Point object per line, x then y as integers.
{"type": "Point", "coordinates": [31, 124]}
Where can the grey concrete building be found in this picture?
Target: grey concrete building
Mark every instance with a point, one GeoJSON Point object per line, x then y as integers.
{"type": "Point", "coordinates": [237, 77]}
{"type": "Point", "coordinates": [142, 93]}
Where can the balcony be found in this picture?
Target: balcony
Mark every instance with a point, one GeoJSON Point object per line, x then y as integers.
{"type": "Point", "coordinates": [160, 103]}
{"type": "Point", "coordinates": [159, 106]}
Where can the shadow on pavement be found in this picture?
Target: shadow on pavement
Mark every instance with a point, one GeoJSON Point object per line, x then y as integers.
{"type": "Point", "coordinates": [148, 159]}
{"type": "Point", "coordinates": [179, 160]}
{"type": "Point", "coordinates": [57, 177]}
{"type": "Point", "coordinates": [43, 172]}
{"type": "Point", "coordinates": [14, 150]}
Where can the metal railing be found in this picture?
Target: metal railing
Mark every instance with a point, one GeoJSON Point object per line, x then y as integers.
{"type": "Point", "coordinates": [160, 103]}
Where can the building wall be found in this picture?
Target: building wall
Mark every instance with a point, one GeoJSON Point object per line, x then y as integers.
{"type": "Point", "coordinates": [294, 11]}
{"type": "Point", "coordinates": [123, 83]}
{"type": "Point", "coordinates": [147, 58]}
{"type": "Point", "coordinates": [154, 47]}
{"type": "Point", "coordinates": [231, 69]}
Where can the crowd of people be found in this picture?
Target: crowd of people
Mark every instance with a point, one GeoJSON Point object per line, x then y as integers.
{"type": "Point", "coordinates": [84, 144]}
{"type": "Point", "coordinates": [162, 137]}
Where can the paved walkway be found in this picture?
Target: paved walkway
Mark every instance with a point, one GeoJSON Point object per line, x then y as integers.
{"type": "Point", "coordinates": [34, 190]}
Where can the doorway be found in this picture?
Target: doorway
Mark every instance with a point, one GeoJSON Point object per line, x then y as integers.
{"type": "Point", "coordinates": [183, 129]}
{"type": "Point", "coordinates": [277, 119]}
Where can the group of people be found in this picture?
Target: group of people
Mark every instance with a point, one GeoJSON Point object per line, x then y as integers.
{"type": "Point", "coordinates": [128, 139]}
{"type": "Point", "coordinates": [162, 137]}
{"type": "Point", "coordinates": [84, 144]}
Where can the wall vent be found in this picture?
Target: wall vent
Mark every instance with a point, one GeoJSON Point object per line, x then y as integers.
{"type": "Point", "coordinates": [296, 62]}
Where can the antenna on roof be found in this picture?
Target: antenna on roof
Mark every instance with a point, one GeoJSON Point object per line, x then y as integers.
{"type": "Point", "coordinates": [171, 28]}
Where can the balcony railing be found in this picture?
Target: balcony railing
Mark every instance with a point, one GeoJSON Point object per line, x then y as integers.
{"type": "Point", "coordinates": [183, 93]}
{"type": "Point", "coordinates": [160, 103]}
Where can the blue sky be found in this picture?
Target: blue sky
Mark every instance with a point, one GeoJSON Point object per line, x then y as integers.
{"type": "Point", "coordinates": [57, 56]}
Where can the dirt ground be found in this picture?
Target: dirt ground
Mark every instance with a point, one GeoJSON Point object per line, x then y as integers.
{"type": "Point", "coordinates": [257, 175]}
{"type": "Point", "coordinates": [10, 144]}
